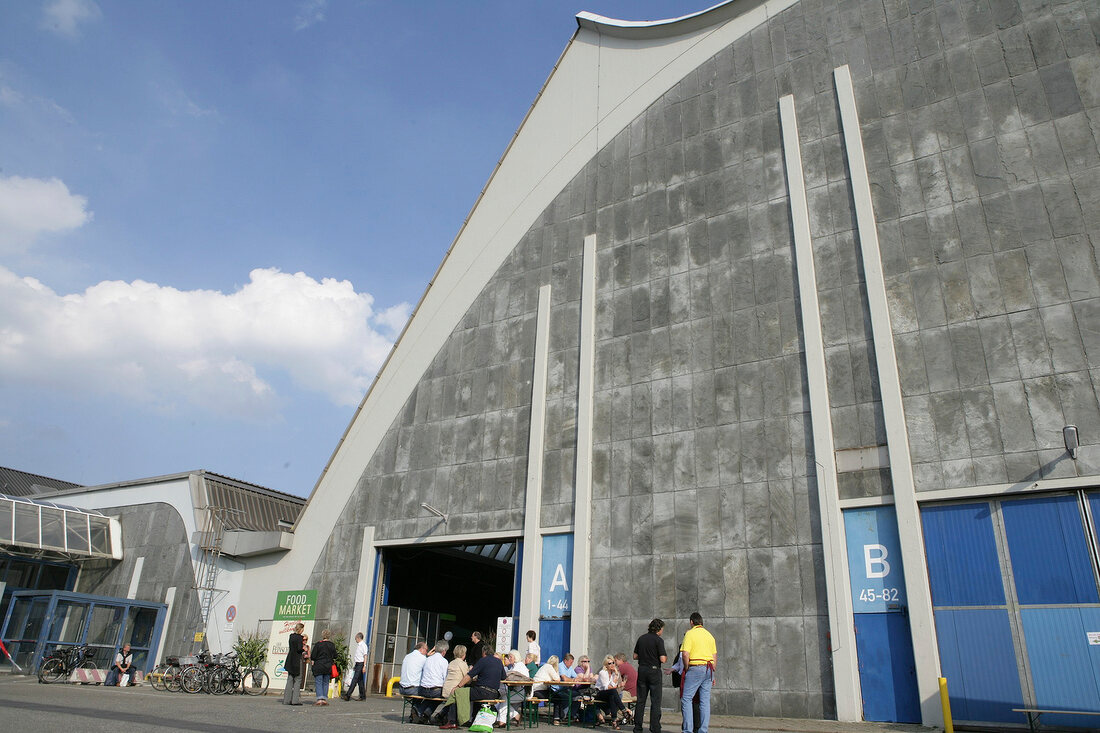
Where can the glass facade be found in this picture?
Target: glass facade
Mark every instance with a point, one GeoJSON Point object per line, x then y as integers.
{"type": "Point", "coordinates": [36, 623]}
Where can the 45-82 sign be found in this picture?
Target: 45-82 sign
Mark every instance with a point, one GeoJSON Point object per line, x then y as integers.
{"type": "Point", "coordinates": [874, 560]}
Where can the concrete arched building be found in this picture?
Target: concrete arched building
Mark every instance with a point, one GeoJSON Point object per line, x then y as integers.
{"type": "Point", "coordinates": [776, 312]}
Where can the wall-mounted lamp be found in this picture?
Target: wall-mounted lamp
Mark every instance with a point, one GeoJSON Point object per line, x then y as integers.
{"type": "Point", "coordinates": [428, 507]}
{"type": "Point", "coordinates": [1073, 442]}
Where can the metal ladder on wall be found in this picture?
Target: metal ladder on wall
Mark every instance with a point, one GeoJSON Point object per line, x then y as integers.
{"type": "Point", "coordinates": [206, 574]}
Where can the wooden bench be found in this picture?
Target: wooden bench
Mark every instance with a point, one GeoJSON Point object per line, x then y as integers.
{"type": "Point", "coordinates": [1033, 714]}
{"type": "Point", "coordinates": [407, 702]}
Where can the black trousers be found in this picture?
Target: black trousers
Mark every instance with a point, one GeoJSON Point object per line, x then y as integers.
{"type": "Point", "coordinates": [649, 685]}
{"type": "Point", "coordinates": [357, 679]}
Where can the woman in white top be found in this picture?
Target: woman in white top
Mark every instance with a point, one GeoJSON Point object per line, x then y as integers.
{"type": "Point", "coordinates": [533, 647]}
{"type": "Point", "coordinates": [544, 675]}
{"type": "Point", "coordinates": [515, 671]}
{"type": "Point", "coordinates": [607, 690]}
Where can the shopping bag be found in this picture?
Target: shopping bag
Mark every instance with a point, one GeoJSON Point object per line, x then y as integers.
{"type": "Point", "coordinates": [483, 721]}
{"type": "Point", "coordinates": [124, 680]}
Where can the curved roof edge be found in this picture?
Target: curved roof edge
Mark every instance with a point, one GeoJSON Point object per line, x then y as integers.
{"type": "Point", "coordinates": [649, 29]}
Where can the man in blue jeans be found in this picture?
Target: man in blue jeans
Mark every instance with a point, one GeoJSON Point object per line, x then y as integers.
{"type": "Point", "coordinates": [698, 653]}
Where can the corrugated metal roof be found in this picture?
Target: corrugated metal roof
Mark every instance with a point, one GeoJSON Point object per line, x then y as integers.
{"type": "Point", "coordinates": [250, 507]}
{"type": "Point", "coordinates": [20, 483]}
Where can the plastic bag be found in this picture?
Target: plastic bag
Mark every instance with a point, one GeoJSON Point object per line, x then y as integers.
{"type": "Point", "coordinates": [483, 721]}
{"type": "Point", "coordinates": [124, 680]}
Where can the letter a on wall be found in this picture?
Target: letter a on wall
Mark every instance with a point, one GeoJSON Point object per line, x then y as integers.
{"type": "Point", "coordinates": [557, 569]}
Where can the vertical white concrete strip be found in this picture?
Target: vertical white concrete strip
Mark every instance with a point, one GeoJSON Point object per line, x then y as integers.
{"type": "Point", "coordinates": [362, 609]}
{"type": "Point", "coordinates": [135, 578]}
{"type": "Point", "coordinates": [536, 440]}
{"type": "Point", "coordinates": [582, 496]}
{"type": "Point", "coordinates": [841, 624]}
{"type": "Point", "coordinates": [921, 622]}
{"type": "Point", "coordinates": [170, 601]}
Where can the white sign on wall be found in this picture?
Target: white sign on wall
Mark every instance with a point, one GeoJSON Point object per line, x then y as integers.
{"type": "Point", "coordinates": [504, 634]}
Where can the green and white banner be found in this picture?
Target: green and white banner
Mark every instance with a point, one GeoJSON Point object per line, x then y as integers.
{"type": "Point", "coordinates": [291, 608]}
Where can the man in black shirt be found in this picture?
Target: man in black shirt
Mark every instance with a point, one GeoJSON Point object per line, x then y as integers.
{"type": "Point", "coordinates": [649, 650]}
{"type": "Point", "coordinates": [484, 679]}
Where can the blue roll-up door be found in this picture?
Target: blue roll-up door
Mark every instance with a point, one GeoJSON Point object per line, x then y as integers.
{"type": "Point", "coordinates": [972, 620]}
{"type": "Point", "coordinates": [1016, 603]}
{"type": "Point", "coordinates": [1049, 552]}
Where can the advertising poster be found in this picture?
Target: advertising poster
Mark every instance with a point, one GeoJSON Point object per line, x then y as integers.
{"type": "Point", "coordinates": [291, 607]}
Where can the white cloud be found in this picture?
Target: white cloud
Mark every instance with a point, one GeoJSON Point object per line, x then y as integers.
{"type": "Point", "coordinates": [394, 318]}
{"type": "Point", "coordinates": [65, 16]}
{"type": "Point", "coordinates": [178, 102]}
{"type": "Point", "coordinates": [163, 347]}
{"type": "Point", "coordinates": [30, 207]}
{"type": "Point", "coordinates": [310, 12]}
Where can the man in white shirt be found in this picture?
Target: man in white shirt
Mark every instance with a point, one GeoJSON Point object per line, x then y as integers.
{"type": "Point", "coordinates": [412, 669]}
{"type": "Point", "coordinates": [431, 679]}
{"type": "Point", "coordinates": [358, 658]}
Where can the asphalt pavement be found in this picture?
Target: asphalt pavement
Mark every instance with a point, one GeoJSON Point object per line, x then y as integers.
{"type": "Point", "coordinates": [27, 705]}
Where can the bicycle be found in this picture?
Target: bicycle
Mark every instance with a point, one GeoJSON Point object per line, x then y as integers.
{"type": "Point", "coordinates": [61, 663]}
{"type": "Point", "coordinates": [195, 679]}
{"type": "Point", "coordinates": [230, 679]}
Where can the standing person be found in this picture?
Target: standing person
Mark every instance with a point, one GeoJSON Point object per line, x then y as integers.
{"type": "Point", "coordinates": [677, 682]}
{"type": "Point", "coordinates": [699, 653]}
{"type": "Point", "coordinates": [474, 652]}
{"type": "Point", "coordinates": [323, 655]}
{"type": "Point", "coordinates": [412, 669]}
{"type": "Point", "coordinates": [358, 658]}
{"type": "Point", "coordinates": [649, 650]}
{"type": "Point", "coordinates": [293, 667]}
{"type": "Point", "coordinates": [533, 647]}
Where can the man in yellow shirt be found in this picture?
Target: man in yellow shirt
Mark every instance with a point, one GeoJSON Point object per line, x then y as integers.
{"type": "Point", "coordinates": [698, 653]}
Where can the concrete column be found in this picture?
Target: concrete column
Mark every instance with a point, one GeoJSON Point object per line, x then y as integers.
{"type": "Point", "coordinates": [364, 589]}
{"type": "Point", "coordinates": [582, 496]}
{"type": "Point", "coordinates": [536, 440]}
{"type": "Point", "coordinates": [841, 624]}
{"type": "Point", "coordinates": [921, 622]}
{"type": "Point", "coordinates": [170, 601]}
{"type": "Point", "coordinates": [135, 578]}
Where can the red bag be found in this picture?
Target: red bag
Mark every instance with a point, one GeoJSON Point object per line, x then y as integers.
{"type": "Point", "coordinates": [335, 672]}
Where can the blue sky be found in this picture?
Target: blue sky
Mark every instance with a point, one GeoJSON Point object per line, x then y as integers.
{"type": "Point", "coordinates": [215, 216]}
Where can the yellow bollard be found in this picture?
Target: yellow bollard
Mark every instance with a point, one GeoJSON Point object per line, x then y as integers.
{"type": "Point", "coordinates": [389, 685]}
{"type": "Point", "coordinates": [945, 703]}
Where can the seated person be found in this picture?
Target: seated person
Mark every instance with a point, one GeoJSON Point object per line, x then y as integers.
{"type": "Point", "coordinates": [484, 680]}
{"type": "Point", "coordinates": [607, 692]}
{"type": "Point", "coordinates": [513, 670]}
{"type": "Point", "coordinates": [432, 677]}
{"type": "Point", "coordinates": [531, 663]}
{"type": "Point", "coordinates": [123, 664]}
{"type": "Point", "coordinates": [412, 669]}
{"type": "Point", "coordinates": [583, 673]}
{"type": "Point", "coordinates": [559, 695]}
{"type": "Point", "coordinates": [630, 678]}
{"type": "Point", "coordinates": [544, 675]}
